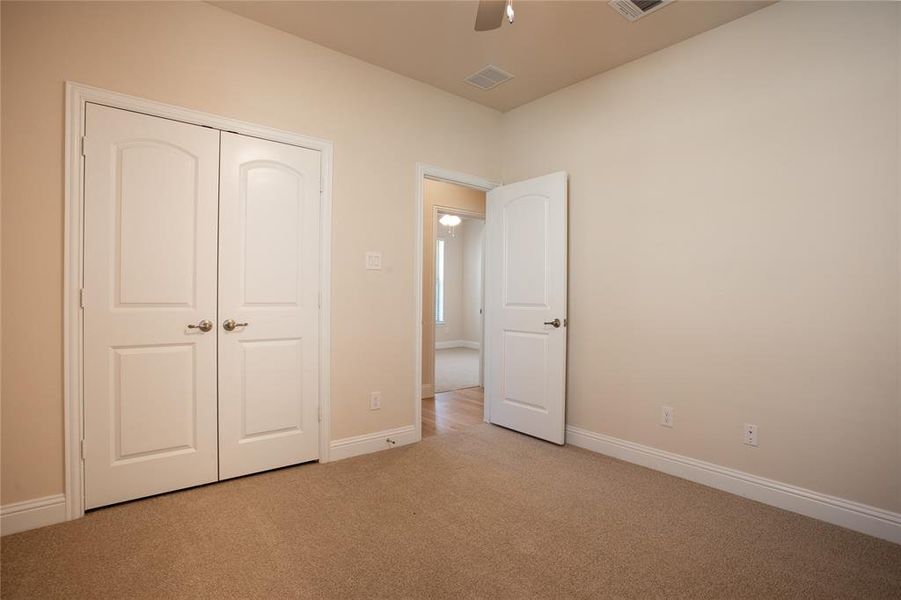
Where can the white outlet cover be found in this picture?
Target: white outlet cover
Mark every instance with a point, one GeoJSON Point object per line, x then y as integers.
{"type": "Point", "coordinates": [750, 434]}
{"type": "Point", "coordinates": [666, 416]}
{"type": "Point", "coordinates": [375, 400]}
{"type": "Point", "coordinates": [374, 261]}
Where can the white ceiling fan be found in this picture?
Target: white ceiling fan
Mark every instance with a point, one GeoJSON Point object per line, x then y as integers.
{"type": "Point", "coordinates": [491, 14]}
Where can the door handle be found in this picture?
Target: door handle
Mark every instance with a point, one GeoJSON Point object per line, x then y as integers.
{"type": "Point", "coordinates": [204, 326]}
{"type": "Point", "coordinates": [555, 322]}
{"type": "Point", "coordinates": [231, 325]}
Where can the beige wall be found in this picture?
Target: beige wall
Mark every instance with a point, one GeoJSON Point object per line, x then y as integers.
{"type": "Point", "coordinates": [734, 244]}
{"type": "Point", "coordinates": [198, 56]}
{"type": "Point", "coordinates": [438, 194]}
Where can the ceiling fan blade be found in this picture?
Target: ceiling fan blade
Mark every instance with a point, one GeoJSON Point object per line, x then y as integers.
{"type": "Point", "coordinates": [490, 15]}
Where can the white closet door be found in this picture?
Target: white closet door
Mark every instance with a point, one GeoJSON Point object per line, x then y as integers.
{"type": "Point", "coordinates": [525, 306]}
{"type": "Point", "coordinates": [269, 287]}
{"type": "Point", "coordinates": [149, 273]}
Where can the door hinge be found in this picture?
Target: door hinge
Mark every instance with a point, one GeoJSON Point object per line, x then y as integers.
{"type": "Point", "coordinates": [82, 448]}
{"type": "Point", "coordinates": [84, 144]}
{"type": "Point", "coordinates": [81, 297]}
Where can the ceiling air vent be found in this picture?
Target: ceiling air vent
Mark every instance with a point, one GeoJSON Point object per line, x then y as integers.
{"type": "Point", "coordinates": [636, 9]}
{"type": "Point", "coordinates": [489, 77]}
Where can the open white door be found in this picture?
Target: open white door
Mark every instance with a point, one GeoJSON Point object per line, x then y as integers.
{"type": "Point", "coordinates": [268, 305]}
{"type": "Point", "coordinates": [525, 306]}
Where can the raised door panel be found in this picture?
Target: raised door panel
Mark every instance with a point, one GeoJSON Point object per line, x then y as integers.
{"type": "Point", "coordinates": [272, 396]}
{"type": "Point", "coordinates": [525, 370]}
{"type": "Point", "coordinates": [154, 401]}
{"type": "Point", "coordinates": [272, 201]}
{"type": "Point", "coordinates": [525, 251]}
{"type": "Point", "coordinates": [157, 216]}
{"type": "Point", "coordinates": [150, 224]}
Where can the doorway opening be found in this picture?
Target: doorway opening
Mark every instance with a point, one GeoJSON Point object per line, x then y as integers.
{"type": "Point", "coordinates": [524, 307]}
{"type": "Point", "coordinates": [458, 301]}
{"type": "Point", "coordinates": [451, 375]}
{"type": "Point", "coordinates": [458, 285]}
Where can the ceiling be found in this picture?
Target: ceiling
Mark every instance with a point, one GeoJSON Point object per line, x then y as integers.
{"type": "Point", "coordinates": [550, 46]}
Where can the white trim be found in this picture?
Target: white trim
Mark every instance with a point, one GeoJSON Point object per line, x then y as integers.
{"type": "Point", "coordinates": [31, 514]}
{"type": "Point", "coordinates": [457, 344]}
{"type": "Point", "coordinates": [424, 171]}
{"type": "Point", "coordinates": [428, 390]}
{"type": "Point", "coordinates": [373, 442]}
{"type": "Point", "coordinates": [838, 511]}
{"type": "Point", "coordinates": [77, 95]}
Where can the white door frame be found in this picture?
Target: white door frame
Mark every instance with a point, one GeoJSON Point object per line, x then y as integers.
{"type": "Point", "coordinates": [423, 172]}
{"type": "Point", "coordinates": [77, 96]}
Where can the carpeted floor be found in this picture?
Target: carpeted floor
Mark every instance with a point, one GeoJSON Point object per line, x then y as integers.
{"type": "Point", "coordinates": [456, 369]}
{"type": "Point", "coordinates": [485, 513]}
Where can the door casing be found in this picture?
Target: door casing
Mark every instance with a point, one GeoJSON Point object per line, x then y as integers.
{"type": "Point", "coordinates": [77, 96]}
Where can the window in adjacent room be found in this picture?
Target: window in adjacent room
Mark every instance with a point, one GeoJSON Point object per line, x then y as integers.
{"type": "Point", "coordinates": [439, 282]}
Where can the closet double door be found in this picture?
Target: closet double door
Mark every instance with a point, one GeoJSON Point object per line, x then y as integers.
{"type": "Point", "coordinates": [200, 305]}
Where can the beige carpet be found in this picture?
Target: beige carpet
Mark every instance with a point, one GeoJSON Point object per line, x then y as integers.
{"type": "Point", "coordinates": [484, 513]}
{"type": "Point", "coordinates": [456, 369]}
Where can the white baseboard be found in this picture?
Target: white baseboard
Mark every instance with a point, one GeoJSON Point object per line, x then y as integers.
{"type": "Point", "coordinates": [838, 511]}
{"type": "Point", "coordinates": [428, 391]}
{"type": "Point", "coordinates": [31, 514]}
{"type": "Point", "coordinates": [371, 442]}
{"type": "Point", "coordinates": [457, 344]}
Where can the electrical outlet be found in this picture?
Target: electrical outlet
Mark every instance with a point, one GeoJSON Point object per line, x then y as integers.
{"type": "Point", "coordinates": [375, 400]}
{"type": "Point", "coordinates": [666, 416]}
{"type": "Point", "coordinates": [374, 261]}
{"type": "Point", "coordinates": [751, 434]}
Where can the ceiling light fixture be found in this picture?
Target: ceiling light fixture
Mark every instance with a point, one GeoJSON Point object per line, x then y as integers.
{"type": "Point", "coordinates": [510, 11]}
{"type": "Point", "coordinates": [450, 221]}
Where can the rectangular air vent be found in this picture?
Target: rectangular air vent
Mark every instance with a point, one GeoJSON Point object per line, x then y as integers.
{"type": "Point", "coordinates": [489, 77]}
{"type": "Point", "coordinates": [636, 9]}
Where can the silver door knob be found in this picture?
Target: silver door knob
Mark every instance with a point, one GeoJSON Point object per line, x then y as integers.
{"type": "Point", "coordinates": [555, 322]}
{"type": "Point", "coordinates": [231, 325]}
{"type": "Point", "coordinates": [204, 326]}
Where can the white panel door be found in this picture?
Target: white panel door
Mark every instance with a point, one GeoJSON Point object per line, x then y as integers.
{"type": "Point", "coordinates": [269, 289]}
{"type": "Point", "coordinates": [525, 306]}
{"type": "Point", "coordinates": [149, 273]}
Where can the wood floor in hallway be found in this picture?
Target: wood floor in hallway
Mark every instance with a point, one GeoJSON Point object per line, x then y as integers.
{"type": "Point", "coordinates": [452, 411]}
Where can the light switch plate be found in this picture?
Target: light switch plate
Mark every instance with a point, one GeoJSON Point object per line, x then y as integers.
{"type": "Point", "coordinates": [374, 261]}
